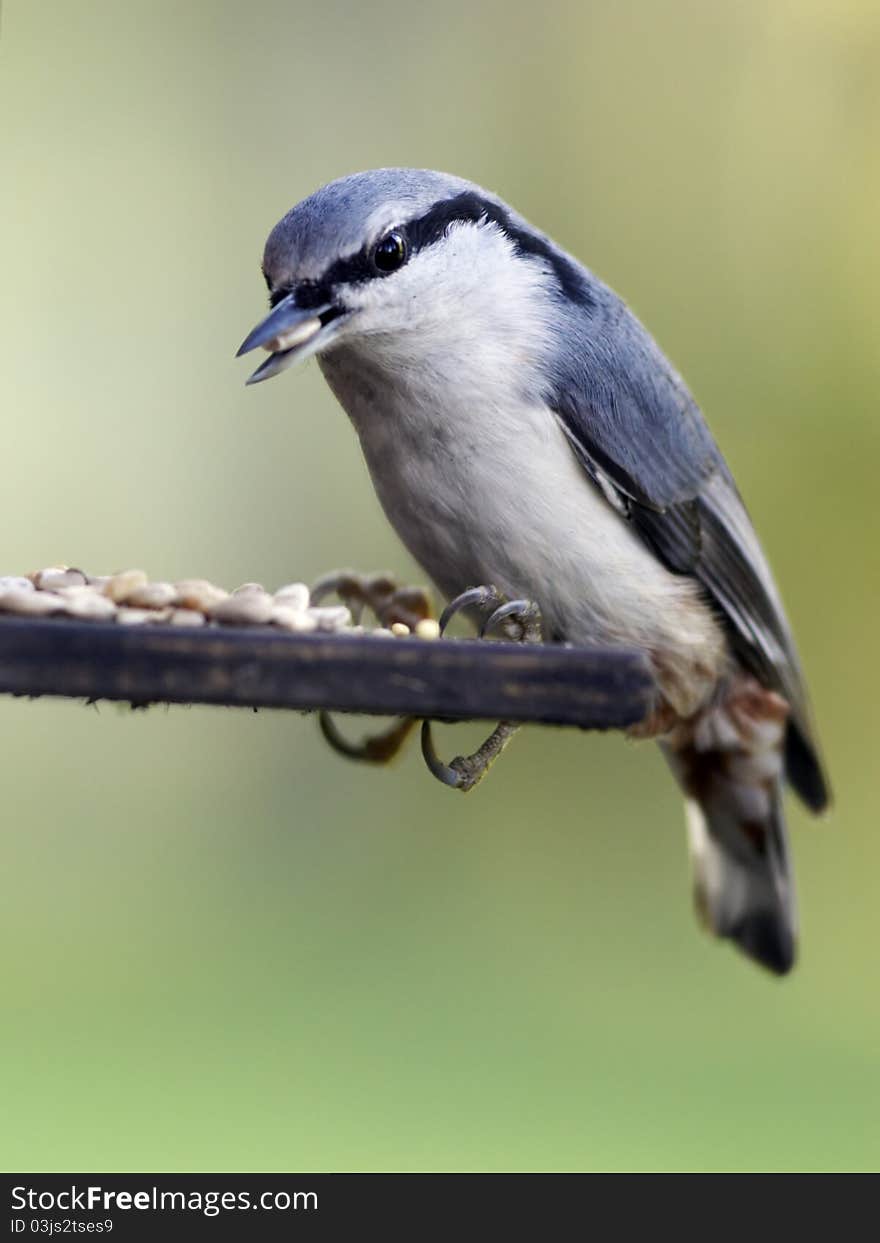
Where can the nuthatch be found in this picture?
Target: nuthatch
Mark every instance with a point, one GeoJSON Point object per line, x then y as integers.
{"type": "Point", "coordinates": [522, 429]}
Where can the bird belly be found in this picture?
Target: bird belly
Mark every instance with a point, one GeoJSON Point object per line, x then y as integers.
{"type": "Point", "coordinates": [503, 501]}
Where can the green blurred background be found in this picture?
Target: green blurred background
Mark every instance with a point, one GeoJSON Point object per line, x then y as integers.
{"type": "Point", "coordinates": [225, 948]}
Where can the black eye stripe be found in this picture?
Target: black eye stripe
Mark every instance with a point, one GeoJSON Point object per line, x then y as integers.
{"type": "Point", "coordinates": [348, 271]}
{"type": "Point", "coordinates": [429, 228]}
{"type": "Point", "coordinates": [312, 293]}
{"type": "Point", "coordinates": [474, 208]}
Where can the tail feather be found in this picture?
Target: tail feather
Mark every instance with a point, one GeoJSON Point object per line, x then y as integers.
{"type": "Point", "coordinates": [729, 761]}
{"type": "Point", "coordinates": [803, 767]}
{"type": "Point", "coordinates": [745, 895]}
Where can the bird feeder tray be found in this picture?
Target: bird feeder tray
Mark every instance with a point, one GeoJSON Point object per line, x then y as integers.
{"type": "Point", "coordinates": [260, 667]}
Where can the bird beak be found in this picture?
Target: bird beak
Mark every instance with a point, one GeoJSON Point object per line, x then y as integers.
{"type": "Point", "coordinates": [290, 334]}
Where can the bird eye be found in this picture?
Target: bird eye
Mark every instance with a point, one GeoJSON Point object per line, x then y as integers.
{"type": "Point", "coordinates": [391, 253]}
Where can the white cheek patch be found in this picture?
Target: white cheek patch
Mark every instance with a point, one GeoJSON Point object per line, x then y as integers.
{"type": "Point", "coordinates": [466, 280]}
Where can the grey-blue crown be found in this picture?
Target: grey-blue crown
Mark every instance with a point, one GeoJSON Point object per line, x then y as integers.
{"type": "Point", "coordinates": [327, 239]}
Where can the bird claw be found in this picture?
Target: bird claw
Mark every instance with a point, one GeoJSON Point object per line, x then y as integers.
{"type": "Point", "coordinates": [389, 603]}
{"type": "Point", "coordinates": [522, 618]}
{"type": "Point", "coordinates": [375, 748]}
{"type": "Point", "coordinates": [466, 771]}
{"type": "Point", "coordinates": [481, 598]}
{"type": "Point", "coordinates": [520, 621]}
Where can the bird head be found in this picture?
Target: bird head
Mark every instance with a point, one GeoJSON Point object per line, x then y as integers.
{"type": "Point", "coordinates": [404, 255]}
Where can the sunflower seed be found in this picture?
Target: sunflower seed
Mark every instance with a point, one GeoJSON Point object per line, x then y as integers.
{"type": "Point", "coordinates": [121, 585]}
{"type": "Point", "coordinates": [293, 619]}
{"type": "Point", "coordinates": [294, 596]}
{"type": "Point", "coordinates": [89, 606]}
{"type": "Point", "coordinates": [59, 576]}
{"type": "Point", "coordinates": [30, 603]}
{"type": "Point", "coordinates": [250, 609]}
{"type": "Point", "coordinates": [427, 628]}
{"type": "Point", "coordinates": [186, 617]}
{"type": "Point", "coordinates": [331, 617]}
{"type": "Point", "coordinates": [198, 593]}
{"type": "Point", "coordinates": [152, 596]}
{"type": "Point", "coordinates": [134, 617]}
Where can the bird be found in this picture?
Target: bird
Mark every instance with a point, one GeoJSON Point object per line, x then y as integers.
{"type": "Point", "coordinates": [523, 429]}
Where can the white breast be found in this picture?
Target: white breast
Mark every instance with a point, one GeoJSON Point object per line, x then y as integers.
{"type": "Point", "coordinates": [478, 479]}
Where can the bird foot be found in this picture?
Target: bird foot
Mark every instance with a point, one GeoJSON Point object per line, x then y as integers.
{"type": "Point", "coordinates": [482, 600]}
{"type": "Point", "coordinates": [466, 771]}
{"type": "Point", "coordinates": [380, 593]}
{"type": "Point", "coordinates": [519, 621]}
{"type": "Point", "coordinates": [379, 748]}
{"type": "Point", "coordinates": [389, 603]}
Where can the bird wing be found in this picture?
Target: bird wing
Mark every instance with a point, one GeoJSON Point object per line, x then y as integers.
{"type": "Point", "coordinates": [644, 443]}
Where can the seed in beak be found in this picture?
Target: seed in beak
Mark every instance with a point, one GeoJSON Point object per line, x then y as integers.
{"type": "Point", "coordinates": [294, 336]}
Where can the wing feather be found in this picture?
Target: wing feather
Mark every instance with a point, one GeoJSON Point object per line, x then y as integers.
{"type": "Point", "coordinates": [644, 443]}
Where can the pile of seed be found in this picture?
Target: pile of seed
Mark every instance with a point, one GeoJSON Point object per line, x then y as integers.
{"type": "Point", "coordinates": [129, 598]}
